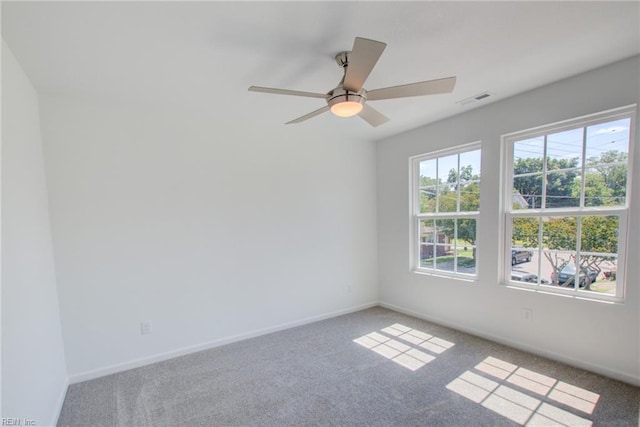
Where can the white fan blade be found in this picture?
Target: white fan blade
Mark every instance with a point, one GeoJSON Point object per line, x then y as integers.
{"type": "Point", "coordinates": [287, 92]}
{"type": "Point", "coordinates": [364, 56]}
{"type": "Point", "coordinates": [430, 87]}
{"type": "Point", "coordinates": [372, 116]}
{"type": "Point", "coordinates": [310, 115]}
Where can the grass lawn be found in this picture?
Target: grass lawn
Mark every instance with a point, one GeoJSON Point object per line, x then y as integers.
{"type": "Point", "coordinates": [465, 259]}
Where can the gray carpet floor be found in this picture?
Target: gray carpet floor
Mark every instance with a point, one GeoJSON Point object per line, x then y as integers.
{"type": "Point", "coordinates": [375, 367]}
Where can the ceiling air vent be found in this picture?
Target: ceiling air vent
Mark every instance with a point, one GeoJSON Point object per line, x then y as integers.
{"type": "Point", "coordinates": [474, 98]}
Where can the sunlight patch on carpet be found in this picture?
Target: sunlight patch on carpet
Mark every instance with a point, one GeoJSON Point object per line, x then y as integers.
{"type": "Point", "coordinates": [408, 350]}
{"type": "Point", "coordinates": [524, 396]}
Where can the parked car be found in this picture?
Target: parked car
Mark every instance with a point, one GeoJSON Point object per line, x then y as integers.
{"type": "Point", "coordinates": [567, 271]}
{"type": "Point", "coordinates": [525, 276]}
{"type": "Point", "coordinates": [519, 255]}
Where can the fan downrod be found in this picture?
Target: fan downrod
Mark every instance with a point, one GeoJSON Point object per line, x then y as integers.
{"type": "Point", "coordinates": [339, 94]}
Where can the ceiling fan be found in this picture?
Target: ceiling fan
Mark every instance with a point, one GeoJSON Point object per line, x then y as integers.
{"type": "Point", "coordinates": [350, 98]}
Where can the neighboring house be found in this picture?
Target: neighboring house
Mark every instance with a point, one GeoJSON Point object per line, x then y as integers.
{"type": "Point", "coordinates": [518, 199]}
{"type": "Point", "coordinates": [427, 242]}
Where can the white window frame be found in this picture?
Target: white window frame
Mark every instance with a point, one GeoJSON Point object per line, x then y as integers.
{"type": "Point", "coordinates": [417, 216]}
{"type": "Point", "coordinates": [508, 213]}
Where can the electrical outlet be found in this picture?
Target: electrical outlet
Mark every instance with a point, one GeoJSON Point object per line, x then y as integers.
{"type": "Point", "coordinates": [145, 327]}
{"type": "Point", "coordinates": [527, 314]}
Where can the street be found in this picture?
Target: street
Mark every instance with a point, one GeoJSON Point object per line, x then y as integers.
{"type": "Point", "coordinates": [602, 285]}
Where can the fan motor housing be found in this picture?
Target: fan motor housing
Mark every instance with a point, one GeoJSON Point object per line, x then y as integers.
{"type": "Point", "coordinates": [340, 94]}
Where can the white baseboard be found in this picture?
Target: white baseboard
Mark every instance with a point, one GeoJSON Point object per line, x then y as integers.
{"type": "Point", "coordinates": [96, 373]}
{"type": "Point", "coordinates": [136, 363]}
{"type": "Point", "coordinates": [611, 373]}
{"type": "Point", "coordinates": [61, 398]}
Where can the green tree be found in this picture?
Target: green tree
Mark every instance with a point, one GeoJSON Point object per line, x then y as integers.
{"type": "Point", "coordinates": [559, 184]}
{"type": "Point", "coordinates": [428, 188]}
{"type": "Point", "coordinates": [525, 232]}
{"type": "Point", "coordinates": [596, 191]}
{"type": "Point", "coordinates": [612, 167]}
{"type": "Point", "coordinates": [466, 174]}
{"type": "Point", "coordinates": [469, 191]}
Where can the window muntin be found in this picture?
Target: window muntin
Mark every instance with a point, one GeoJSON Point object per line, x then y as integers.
{"type": "Point", "coordinates": [567, 206]}
{"type": "Point", "coordinates": [446, 194]}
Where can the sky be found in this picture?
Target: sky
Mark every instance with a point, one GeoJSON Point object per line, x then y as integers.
{"type": "Point", "coordinates": [446, 163]}
{"type": "Point", "coordinates": [601, 138]}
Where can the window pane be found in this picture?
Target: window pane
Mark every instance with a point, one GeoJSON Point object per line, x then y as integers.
{"type": "Point", "coordinates": [606, 279]}
{"type": "Point", "coordinates": [470, 196]}
{"type": "Point", "coordinates": [599, 236]}
{"type": "Point", "coordinates": [427, 186]}
{"type": "Point", "coordinates": [448, 198]}
{"type": "Point", "coordinates": [445, 232]}
{"type": "Point", "coordinates": [559, 233]}
{"type": "Point", "coordinates": [467, 263]}
{"type": "Point", "coordinates": [466, 232]}
{"type": "Point", "coordinates": [527, 192]}
{"type": "Point", "coordinates": [563, 189]}
{"type": "Point", "coordinates": [562, 268]}
{"type": "Point", "coordinates": [448, 169]}
{"type": "Point", "coordinates": [608, 142]}
{"type": "Point", "coordinates": [428, 199]}
{"type": "Point", "coordinates": [564, 149]}
{"type": "Point", "coordinates": [589, 271]}
{"type": "Point", "coordinates": [523, 274]}
{"type": "Point", "coordinates": [445, 229]}
{"type": "Point", "coordinates": [524, 232]}
{"type": "Point", "coordinates": [427, 240]}
{"type": "Point", "coordinates": [524, 250]}
{"type": "Point", "coordinates": [528, 155]}
{"type": "Point", "coordinates": [428, 171]}
{"type": "Point", "coordinates": [605, 186]}
{"type": "Point", "coordinates": [444, 258]}
{"type": "Point", "coordinates": [465, 245]}
{"type": "Point", "coordinates": [427, 232]}
{"type": "Point", "coordinates": [559, 241]}
{"type": "Point", "coordinates": [607, 152]}
{"type": "Point", "coordinates": [426, 255]}
{"type": "Point", "coordinates": [470, 166]}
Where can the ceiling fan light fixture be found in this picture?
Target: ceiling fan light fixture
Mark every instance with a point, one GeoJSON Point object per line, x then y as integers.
{"type": "Point", "coordinates": [346, 108]}
{"type": "Point", "coordinates": [346, 105]}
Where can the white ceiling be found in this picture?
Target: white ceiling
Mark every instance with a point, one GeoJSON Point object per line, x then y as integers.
{"type": "Point", "coordinates": [202, 56]}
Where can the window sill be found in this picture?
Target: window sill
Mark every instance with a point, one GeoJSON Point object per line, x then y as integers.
{"type": "Point", "coordinates": [606, 299]}
{"type": "Point", "coordinates": [444, 275]}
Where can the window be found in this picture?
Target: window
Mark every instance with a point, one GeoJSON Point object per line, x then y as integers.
{"type": "Point", "coordinates": [446, 206]}
{"type": "Point", "coordinates": [566, 205]}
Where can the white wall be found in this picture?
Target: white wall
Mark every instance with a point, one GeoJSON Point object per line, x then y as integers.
{"type": "Point", "coordinates": [204, 226]}
{"type": "Point", "coordinates": [34, 377]}
{"type": "Point", "coordinates": [593, 335]}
